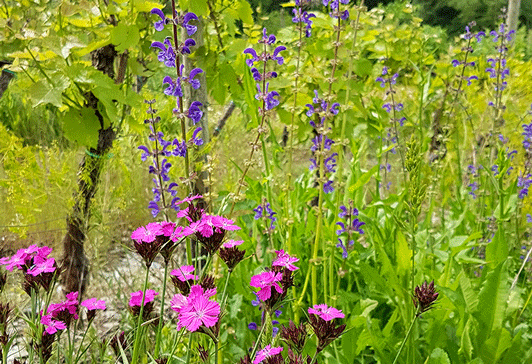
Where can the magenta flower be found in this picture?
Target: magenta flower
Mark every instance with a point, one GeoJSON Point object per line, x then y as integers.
{"type": "Point", "coordinates": [94, 304]}
{"type": "Point", "coordinates": [51, 325]}
{"type": "Point", "coordinates": [183, 273]}
{"type": "Point", "coordinates": [198, 310]}
{"type": "Point", "coordinates": [178, 302]}
{"type": "Point", "coordinates": [189, 199]}
{"type": "Point", "coordinates": [136, 297]}
{"type": "Point", "coordinates": [267, 352]}
{"type": "Point", "coordinates": [42, 266]}
{"type": "Point", "coordinates": [148, 233]}
{"type": "Point", "coordinates": [232, 243]}
{"type": "Point", "coordinates": [265, 281]}
{"type": "Point", "coordinates": [325, 312]}
{"type": "Point", "coordinates": [285, 260]}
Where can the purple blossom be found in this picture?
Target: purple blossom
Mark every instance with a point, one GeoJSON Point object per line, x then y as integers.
{"type": "Point", "coordinates": [195, 139]}
{"type": "Point", "coordinates": [174, 88]}
{"type": "Point", "coordinates": [194, 112]}
{"type": "Point", "coordinates": [167, 53]}
{"type": "Point", "coordinates": [159, 25]}
{"type": "Point", "coordinates": [184, 22]}
{"type": "Point", "coordinates": [265, 210]}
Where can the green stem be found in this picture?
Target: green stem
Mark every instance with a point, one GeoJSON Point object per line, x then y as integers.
{"type": "Point", "coordinates": [161, 312]}
{"type": "Point", "coordinates": [136, 345]}
{"type": "Point", "coordinates": [404, 340]}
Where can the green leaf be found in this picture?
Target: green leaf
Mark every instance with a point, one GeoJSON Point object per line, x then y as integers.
{"type": "Point", "coordinates": [495, 346]}
{"type": "Point", "coordinates": [403, 252]}
{"type": "Point", "coordinates": [438, 356]}
{"type": "Point", "coordinates": [146, 6]}
{"type": "Point", "coordinates": [497, 250]}
{"type": "Point", "coordinates": [364, 178]}
{"type": "Point", "coordinates": [82, 126]}
{"type": "Point", "coordinates": [198, 7]}
{"type": "Point", "coordinates": [493, 301]}
{"type": "Point", "coordinates": [245, 12]}
{"type": "Point", "coordinates": [124, 36]}
{"type": "Point", "coordinates": [363, 67]}
{"type": "Point", "coordinates": [470, 295]}
{"type": "Point", "coordinates": [42, 92]}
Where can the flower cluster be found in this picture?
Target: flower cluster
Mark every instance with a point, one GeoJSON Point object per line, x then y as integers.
{"type": "Point", "coordinates": [158, 237]}
{"type": "Point", "coordinates": [268, 353]}
{"type": "Point", "coordinates": [303, 17]}
{"type": "Point", "coordinates": [320, 111]}
{"type": "Point", "coordinates": [264, 210]}
{"type": "Point", "coordinates": [335, 9]}
{"type": "Point", "coordinates": [138, 298]}
{"type": "Point", "coordinates": [58, 316]}
{"type": "Point", "coordinates": [274, 283]}
{"type": "Point", "coordinates": [37, 267]}
{"type": "Point", "coordinates": [498, 69]}
{"type": "Point", "coordinates": [392, 138]}
{"type": "Point", "coordinates": [424, 297]}
{"type": "Point", "coordinates": [468, 49]}
{"type": "Point", "coordinates": [322, 319]}
{"type": "Point", "coordinates": [267, 97]}
{"type": "Point", "coordinates": [197, 309]}
{"type": "Point", "coordinates": [473, 185]}
{"type": "Point", "coordinates": [170, 55]}
{"type": "Point", "coordinates": [230, 254]}
{"type": "Point", "coordinates": [352, 224]}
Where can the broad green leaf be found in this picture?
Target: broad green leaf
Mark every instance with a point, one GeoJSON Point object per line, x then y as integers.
{"type": "Point", "coordinates": [438, 356]}
{"type": "Point", "coordinates": [363, 67]}
{"type": "Point", "coordinates": [198, 7]}
{"type": "Point", "coordinates": [497, 250]}
{"type": "Point", "coordinates": [493, 301]}
{"type": "Point", "coordinates": [470, 295]}
{"type": "Point", "coordinates": [124, 36]}
{"type": "Point", "coordinates": [82, 126]}
{"type": "Point", "coordinates": [495, 346]}
{"type": "Point", "coordinates": [364, 178]}
{"type": "Point", "coordinates": [42, 92]}
{"type": "Point", "coordinates": [466, 347]}
{"type": "Point", "coordinates": [403, 252]}
{"type": "Point", "coordinates": [146, 6]}
{"type": "Point", "coordinates": [245, 12]}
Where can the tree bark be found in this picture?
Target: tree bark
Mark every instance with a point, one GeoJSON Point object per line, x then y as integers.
{"type": "Point", "coordinates": [75, 264]}
{"type": "Point", "coordinates": [513, 14]}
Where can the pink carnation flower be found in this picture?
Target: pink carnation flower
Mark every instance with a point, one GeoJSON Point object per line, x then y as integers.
{"type": "Point", "coordinates": [94, 304]}
{"type": "Point", "coordinates": [148, 233]}
{"type": "Point", "coordinates": [42, 265]}
{"type": "Point", "coordinates": [325, 312]}
{"type": "Point", "coordinates": [265, 281]}
{"type": "Point", "coordinates": [51, 326]}
{"type": "Point", "coordinates": [196, 309]}
{"type": "Point", "coordinates": [267, 352]}
{"type": "Point", "coordinates": [183, 273]}
{"type": "Point", "coordinates": [285, 260]}
{"type": "Point", "coordinates": [232, 243]}
{"type": "Point", "coordinates": [136, 297]}
{"type": "Point", "coordinates": [189, 199]}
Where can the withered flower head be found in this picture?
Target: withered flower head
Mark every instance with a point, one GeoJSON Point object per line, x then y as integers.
{"type": "Point", "coordinates": [245, 360]}
{"type": "Point", "coordinates": [326, 331]}
{"type": "Point", "coordinates": [424, 297]}
{"type": "Point", "coordinates": [295, 336]}
{"type": "Point", "coordinates": [118, 339]}
{"type": "Point", "coordinates": [231, 256]}
{"type": "Point", "coordinates": [207, 282]}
